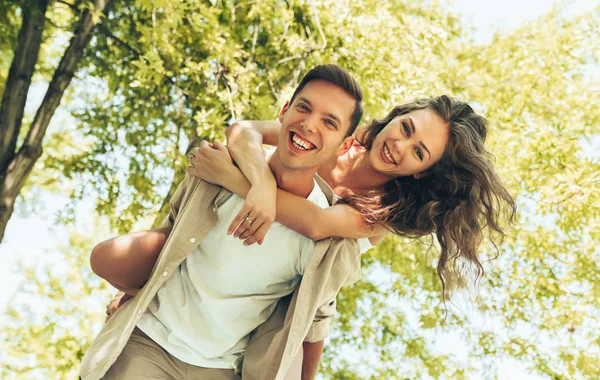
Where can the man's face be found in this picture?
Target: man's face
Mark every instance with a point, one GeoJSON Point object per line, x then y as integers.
{"type": "Point", "coordinates": [314, 126]}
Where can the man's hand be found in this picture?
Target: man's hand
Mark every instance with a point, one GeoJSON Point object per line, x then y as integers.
{"type": "Point", "coordinates": [257, 215]}
{"type": "Point", "coordinates": [211, 163]}
{"type": "Point", "coordinates": [118, 300]}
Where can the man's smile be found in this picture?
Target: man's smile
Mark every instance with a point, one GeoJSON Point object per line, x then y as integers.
{"type": "Point", "coordinates": [300, 144]}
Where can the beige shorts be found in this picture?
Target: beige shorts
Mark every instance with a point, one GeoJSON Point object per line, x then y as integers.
{"type": "Point", "coordinates": [142, 358]}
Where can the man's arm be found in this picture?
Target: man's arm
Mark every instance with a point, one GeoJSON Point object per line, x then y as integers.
{"type": "Point", "coordinates": [312, 357]}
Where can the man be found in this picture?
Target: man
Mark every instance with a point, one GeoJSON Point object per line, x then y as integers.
{"type": "Point", "coordinates": [211, 302]}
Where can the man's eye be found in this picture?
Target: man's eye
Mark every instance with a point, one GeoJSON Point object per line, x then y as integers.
{"type": "Point", "coordinates": [331, 123]}
{"type": "Point", "coordinates": [303, 107]}
{"type": "Point", "coordinates": [419, 153]}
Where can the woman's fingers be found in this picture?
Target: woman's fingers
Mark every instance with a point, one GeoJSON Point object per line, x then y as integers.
{"type": "Point", "coordinates": [259, 235]}
{"type": "Point", "coordinates": [242, 221]}
{"type": "Point", "coordinates": [235, 223]}
{"type": "Point", "coordinates": [245, 225]}
{"type": "Point", "coordinates": [253, 224]}
{"type": "Point", "coordinates": [219, 145]}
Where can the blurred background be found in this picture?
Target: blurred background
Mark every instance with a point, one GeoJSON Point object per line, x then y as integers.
{"type": "Point", "coordinates": [107, 96]}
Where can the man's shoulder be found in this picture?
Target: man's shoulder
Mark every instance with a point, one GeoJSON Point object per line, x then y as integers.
{"type": "Point", "coordinates": [326, 191]}
{"type": "Point", "coordinates": [193, 189]}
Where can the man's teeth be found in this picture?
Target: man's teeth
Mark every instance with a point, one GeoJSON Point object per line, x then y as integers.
{"type": "Point", "coordinates": [386, 151]}
{"type": "Point", "coordinates": [299, 143]}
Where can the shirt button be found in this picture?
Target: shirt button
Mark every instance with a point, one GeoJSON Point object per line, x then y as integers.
{"type": "Point", "coordinates": [215, 209]}
{"type": "Point", "coordinates": [192, 240]}
{"type": "Point", "coordinates": [139, 312]}
{"type": "Point", "coordinates": [165, 274]}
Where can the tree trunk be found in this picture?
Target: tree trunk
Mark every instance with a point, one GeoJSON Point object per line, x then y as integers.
{"type": "Point", "coordinates": [19, 79]}
{"type": "Point", "coordinates": [17, 167]}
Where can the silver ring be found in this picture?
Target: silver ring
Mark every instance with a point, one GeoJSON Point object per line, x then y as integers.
{"type": "Point", "coordinates": [248, 219]}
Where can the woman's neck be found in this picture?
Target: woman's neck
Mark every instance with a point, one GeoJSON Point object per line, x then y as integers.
{"type": "Point", "coordinates": [353, 173]}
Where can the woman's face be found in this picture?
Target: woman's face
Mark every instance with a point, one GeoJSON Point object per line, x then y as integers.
{"type": "Point", "coordinates": [410, 144]}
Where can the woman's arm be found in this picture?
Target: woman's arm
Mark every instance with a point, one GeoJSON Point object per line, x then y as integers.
{"type": "Point", "coordinates": [299, 214]}
{"type": "Point", "coordinates": [308, 219]}
{"type": "Point", "coordinates": [245, 141]}
{"type": "Point", "coordinates": [264, 132]}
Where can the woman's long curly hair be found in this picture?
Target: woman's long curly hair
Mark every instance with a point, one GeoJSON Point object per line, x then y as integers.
{"type": "Point", "coordinates": [460, 196]}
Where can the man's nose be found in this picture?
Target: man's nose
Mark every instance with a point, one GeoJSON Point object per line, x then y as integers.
{"type": "Point", "coordinates": [309, 124]}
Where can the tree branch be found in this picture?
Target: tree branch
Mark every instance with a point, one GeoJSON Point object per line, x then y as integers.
{"type": "Point", "coordinates": [64, 73]}
{"type": "Point", "coordinates": [19, 79]}
{"type": "Point", "coordinates": [167, 80]}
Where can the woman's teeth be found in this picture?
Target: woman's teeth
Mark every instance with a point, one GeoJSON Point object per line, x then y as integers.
{"type": "Point", "coordinates": [386, 151]}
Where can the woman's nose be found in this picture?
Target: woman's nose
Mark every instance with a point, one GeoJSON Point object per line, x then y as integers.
{"type": "Point", "coordinates": [399, 147]}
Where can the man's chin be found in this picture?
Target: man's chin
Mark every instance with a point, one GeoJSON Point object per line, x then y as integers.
{"type": "Point", "coordinates": [295, 163]}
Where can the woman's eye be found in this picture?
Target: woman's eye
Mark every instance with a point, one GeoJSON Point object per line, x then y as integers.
{"type": "Point", "coordinates": [406, 129]}
{"type": "Point", "coordinates": [419, 153]}
{"type": "Point", "coordinates": [303, 107]}
{"type": "Point", "coordinates": [331, 123]}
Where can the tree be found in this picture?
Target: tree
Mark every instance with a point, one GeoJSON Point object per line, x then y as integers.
{"type": "Point", "coordinates": [16, 161]}
{"type": "Point", "coordinates": [166, 74]}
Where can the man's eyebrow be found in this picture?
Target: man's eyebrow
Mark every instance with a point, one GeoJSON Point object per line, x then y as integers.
{"type": "Point", "coordinates": [334, 117]}
{"type": "Point", "coordinates": [302, 98]}
{"type": "Point", "coordinates": [412, 126]}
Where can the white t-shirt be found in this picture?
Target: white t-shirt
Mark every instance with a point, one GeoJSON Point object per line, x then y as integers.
{"type": "Point", "coordinates": [224, 290]}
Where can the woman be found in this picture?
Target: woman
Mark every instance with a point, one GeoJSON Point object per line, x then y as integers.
{"type": "Point", "coordinates": [422, 169]}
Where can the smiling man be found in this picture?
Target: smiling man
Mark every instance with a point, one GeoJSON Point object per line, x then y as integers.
{"type": "Point", "coordinates": [211, 303]}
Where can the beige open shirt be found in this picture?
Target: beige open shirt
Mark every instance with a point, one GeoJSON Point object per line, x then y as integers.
{"type": "Point", "coordinates": [302, 316]}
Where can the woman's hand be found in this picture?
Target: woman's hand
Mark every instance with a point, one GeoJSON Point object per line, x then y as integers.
{"type": "Point", "coordinates": [211, 163]}
{"type": "Point", "coordinates": [257, 215]}
{"type": "Point", "coordinates": [214, 164]}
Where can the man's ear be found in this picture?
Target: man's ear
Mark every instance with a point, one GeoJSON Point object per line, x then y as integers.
{"type": "Point", "coordinates": [286, 106]}
{"type": "Point", "coordinates": [421, 175]}
{"type": "Point", "coordinates": [345, 145]}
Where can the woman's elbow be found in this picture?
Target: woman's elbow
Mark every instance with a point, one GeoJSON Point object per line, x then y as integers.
{"type": "Point", "coordinates": [237, 128]}
{"type": "Point", "coordinates": [315, 233]}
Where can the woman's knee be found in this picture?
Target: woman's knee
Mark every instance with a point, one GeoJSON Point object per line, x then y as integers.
{"type": "Point", "coordinates": [99, 260]}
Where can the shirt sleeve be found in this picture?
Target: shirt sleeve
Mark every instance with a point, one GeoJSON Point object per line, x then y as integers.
{"type": "Point", "coordinates": [319, 330]}
{"type": "Point", "coordinates": [364, 245]}
{"type": "Point", "coordinates": [175, 203]}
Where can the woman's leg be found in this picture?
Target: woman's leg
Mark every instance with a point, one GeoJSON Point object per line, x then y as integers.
{"type": "Point", "coordinates": [126, 261]}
